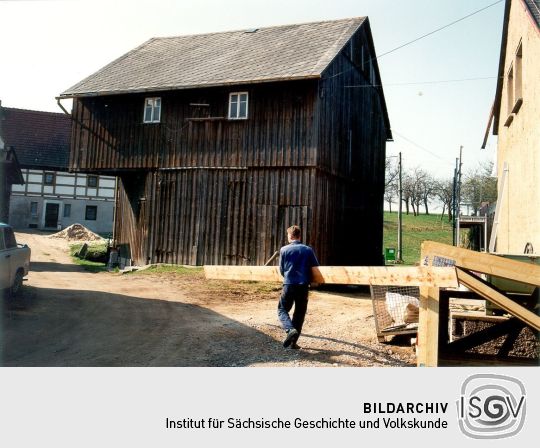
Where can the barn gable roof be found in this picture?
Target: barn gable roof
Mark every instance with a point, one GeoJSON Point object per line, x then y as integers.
{"type": "Point", "coordinates": [238, 57]}
{"type": "Point", "coordinates": [40, 139]}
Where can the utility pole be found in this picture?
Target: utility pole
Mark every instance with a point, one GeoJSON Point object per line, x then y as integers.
{"type": "Point", "coordinates": [457, 196]}
{"type": "Point", "coordinates": [454, 205]}
{"type": "Point", "coordinates": [400, 218]}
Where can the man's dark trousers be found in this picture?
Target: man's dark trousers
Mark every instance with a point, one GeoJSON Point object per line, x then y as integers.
{"type": "Point", "coordinates": [297, 295]}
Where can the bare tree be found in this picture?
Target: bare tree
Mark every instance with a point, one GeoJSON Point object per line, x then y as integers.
{"type": "Point", "coordinates": [407, 187]}
{"type": "Point", "coordinates": [444, 192]}
{"type": "Point", "coordinates": [479, 186]}
{"type": "Point", "coordinates": [390, 182]}
{"type": "Point", "coordinates": [427, 190]}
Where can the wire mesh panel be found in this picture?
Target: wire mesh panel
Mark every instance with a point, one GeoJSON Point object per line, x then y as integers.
{"type": "Point", "coordinates": [395, 309]}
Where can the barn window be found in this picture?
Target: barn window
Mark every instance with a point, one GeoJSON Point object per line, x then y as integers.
{"type": "Point", "coordinates": [152, 110]}
{"type": "Point", "coordinates": [238, 106]}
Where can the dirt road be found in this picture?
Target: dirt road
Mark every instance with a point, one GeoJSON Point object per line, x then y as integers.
{"type": "Point", "coordinates": [71, 317]}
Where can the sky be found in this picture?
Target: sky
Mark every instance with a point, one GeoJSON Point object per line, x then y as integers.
{"type": "Point", "coordinates": [47, 46]}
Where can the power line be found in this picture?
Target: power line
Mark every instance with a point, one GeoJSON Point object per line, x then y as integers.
{"type": "Point", "coordinates": [440, 29]}
{"type": "Point", "coordinates": [419, 146]}
{"type": "Point", "coordinates": [443, 81]}
{"type": "Point", "coordinates": [421, 37]}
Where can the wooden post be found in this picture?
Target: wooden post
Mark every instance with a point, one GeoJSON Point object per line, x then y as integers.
{"type": "Point", "coordinates": [428, 327]}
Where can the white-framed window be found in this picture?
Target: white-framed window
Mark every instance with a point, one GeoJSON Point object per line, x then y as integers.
{"type": "Point", "coordinates": [152, 110]}
{"type": "Point", "coordinates": [238, 106]}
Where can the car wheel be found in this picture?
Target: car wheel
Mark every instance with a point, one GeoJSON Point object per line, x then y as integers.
{"type": "Point", "coordinates": [17, 284]}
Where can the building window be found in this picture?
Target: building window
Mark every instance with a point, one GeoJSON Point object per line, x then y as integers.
{"type": "Point", "coordinates": [152, 110]}
{"type": "Point", "coordinates": [67, 210]}
{"type": "Point", "coordinates": [92, 181]}
{"type": "Point", "coordinates": [238, 106]}
{"type": "Point", "coordinates": [33, 209]}
{"type": "Point", "coordinates": [49, 179]}
{"type": "Point", "coordinates": [518, 75]}
{"type": "Point", "coordinates": [509, 95]}
{"type": "Point", "coordinates": [91, 213]}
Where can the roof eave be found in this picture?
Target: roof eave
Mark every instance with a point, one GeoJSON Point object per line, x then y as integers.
{"type": "Point", "coordinates": [502, 60]}
{"type": "Point", "coordinates": [68, 94]}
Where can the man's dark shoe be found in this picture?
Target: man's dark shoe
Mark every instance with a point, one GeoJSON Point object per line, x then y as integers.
{"type": "Point", "coordinates": [295, 346]}
{"type": "Point", "coordinates": [292, 336]}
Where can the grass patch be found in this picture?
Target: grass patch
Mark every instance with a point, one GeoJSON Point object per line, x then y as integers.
{"type": "Point", "coordinates": [416, 229]}
{"type": "Point", "coordinates": [170, 269]}
{"type": "Point", "coordinates": [95, 259]}
{"type": "Point", "coordinates": [90, 266]}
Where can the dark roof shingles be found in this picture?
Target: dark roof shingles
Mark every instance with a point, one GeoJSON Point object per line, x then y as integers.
{"type": "Point", "coordinates": [40, 139]}
{"type": "Point", "coordinates": [534, 9]}
{"type": "Point", "coordinates": [236, 57]}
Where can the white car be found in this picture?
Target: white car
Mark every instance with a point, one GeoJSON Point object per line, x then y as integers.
{"type": "Point", "coordinates": [14, 261]}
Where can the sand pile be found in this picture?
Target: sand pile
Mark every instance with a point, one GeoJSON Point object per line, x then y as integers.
{"type": "Point", "coordinates": [77, 232]}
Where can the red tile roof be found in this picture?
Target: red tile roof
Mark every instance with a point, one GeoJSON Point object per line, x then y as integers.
{"type": "Point", "coordinates": [40, 139]}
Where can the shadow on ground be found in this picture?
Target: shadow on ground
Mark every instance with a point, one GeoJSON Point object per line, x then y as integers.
{"type": "Point", "coordinates": [58, 327]}
{"type": "Point", "coordinates": [49, 266]}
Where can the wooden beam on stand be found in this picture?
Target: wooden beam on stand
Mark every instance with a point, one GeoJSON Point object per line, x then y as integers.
{"type": "Point", "coordinates": [428, 328]}
{"type": "Point", "coordinates": [345, 275]}
{"type": "Point", "coordinates": [486, 263]}
{"type": "Point", "coordinates": [487, 291]}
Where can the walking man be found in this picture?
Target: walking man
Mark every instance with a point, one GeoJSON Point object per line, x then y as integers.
{"type": "Point", "coordinates": [295, 263]}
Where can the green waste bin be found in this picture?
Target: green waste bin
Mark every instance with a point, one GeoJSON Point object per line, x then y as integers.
{"type": "Point", "coordinates": [389, 254]}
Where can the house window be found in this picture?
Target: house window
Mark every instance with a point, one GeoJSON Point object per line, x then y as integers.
{"type": "Point", "coordinates": [238, 106]}
{"type": "Point", "coordinates": [518, 75]}
{"type": "Point", "coordinates": [92, 181]}
{"type": "Point", "coordinates": [49, 179]}
{"type": "Point", "coordinates": [67, 210]}
{"type": "Point", "coordinates": [509, 95]}
{"type": "Point", "coordinates": [152, 110]}
{"type": "Point", "coordinates": [91, 213]}
{"type": "Point", "coordinates": [33, 209]}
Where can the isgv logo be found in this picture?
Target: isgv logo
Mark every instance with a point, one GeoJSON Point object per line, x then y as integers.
{"type": "Point", "coordinates": [491, 406]}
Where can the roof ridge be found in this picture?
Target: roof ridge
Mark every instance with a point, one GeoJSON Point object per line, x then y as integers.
{"type": "Point", "coordinates": [333, 49]}
{"type": "Point", "coordinates": [273, 27]}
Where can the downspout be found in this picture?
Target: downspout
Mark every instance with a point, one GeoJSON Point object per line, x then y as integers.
{"type": "Point", "coordinates": [58, 98]}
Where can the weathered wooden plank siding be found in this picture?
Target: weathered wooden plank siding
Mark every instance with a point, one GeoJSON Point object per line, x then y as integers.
{"type": "Point", "coordinates": [110, 133]}
{"type": "Point", "coordinates": [212, 216]}
{"type": "Point", "coordinates": [351, 149]}
{"type": "Point", "coordinates": [200, 189]}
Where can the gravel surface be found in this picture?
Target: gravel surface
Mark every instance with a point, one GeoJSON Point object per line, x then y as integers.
{"type": "Point", "coordinates": [71, 317]}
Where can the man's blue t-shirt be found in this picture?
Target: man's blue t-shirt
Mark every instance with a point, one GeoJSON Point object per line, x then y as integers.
{"type": "Point", "coordinates": [295, 263]}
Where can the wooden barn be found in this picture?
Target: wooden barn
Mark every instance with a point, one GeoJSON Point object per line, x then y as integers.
{"type": "Point", "coordinates": [221, 141]}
